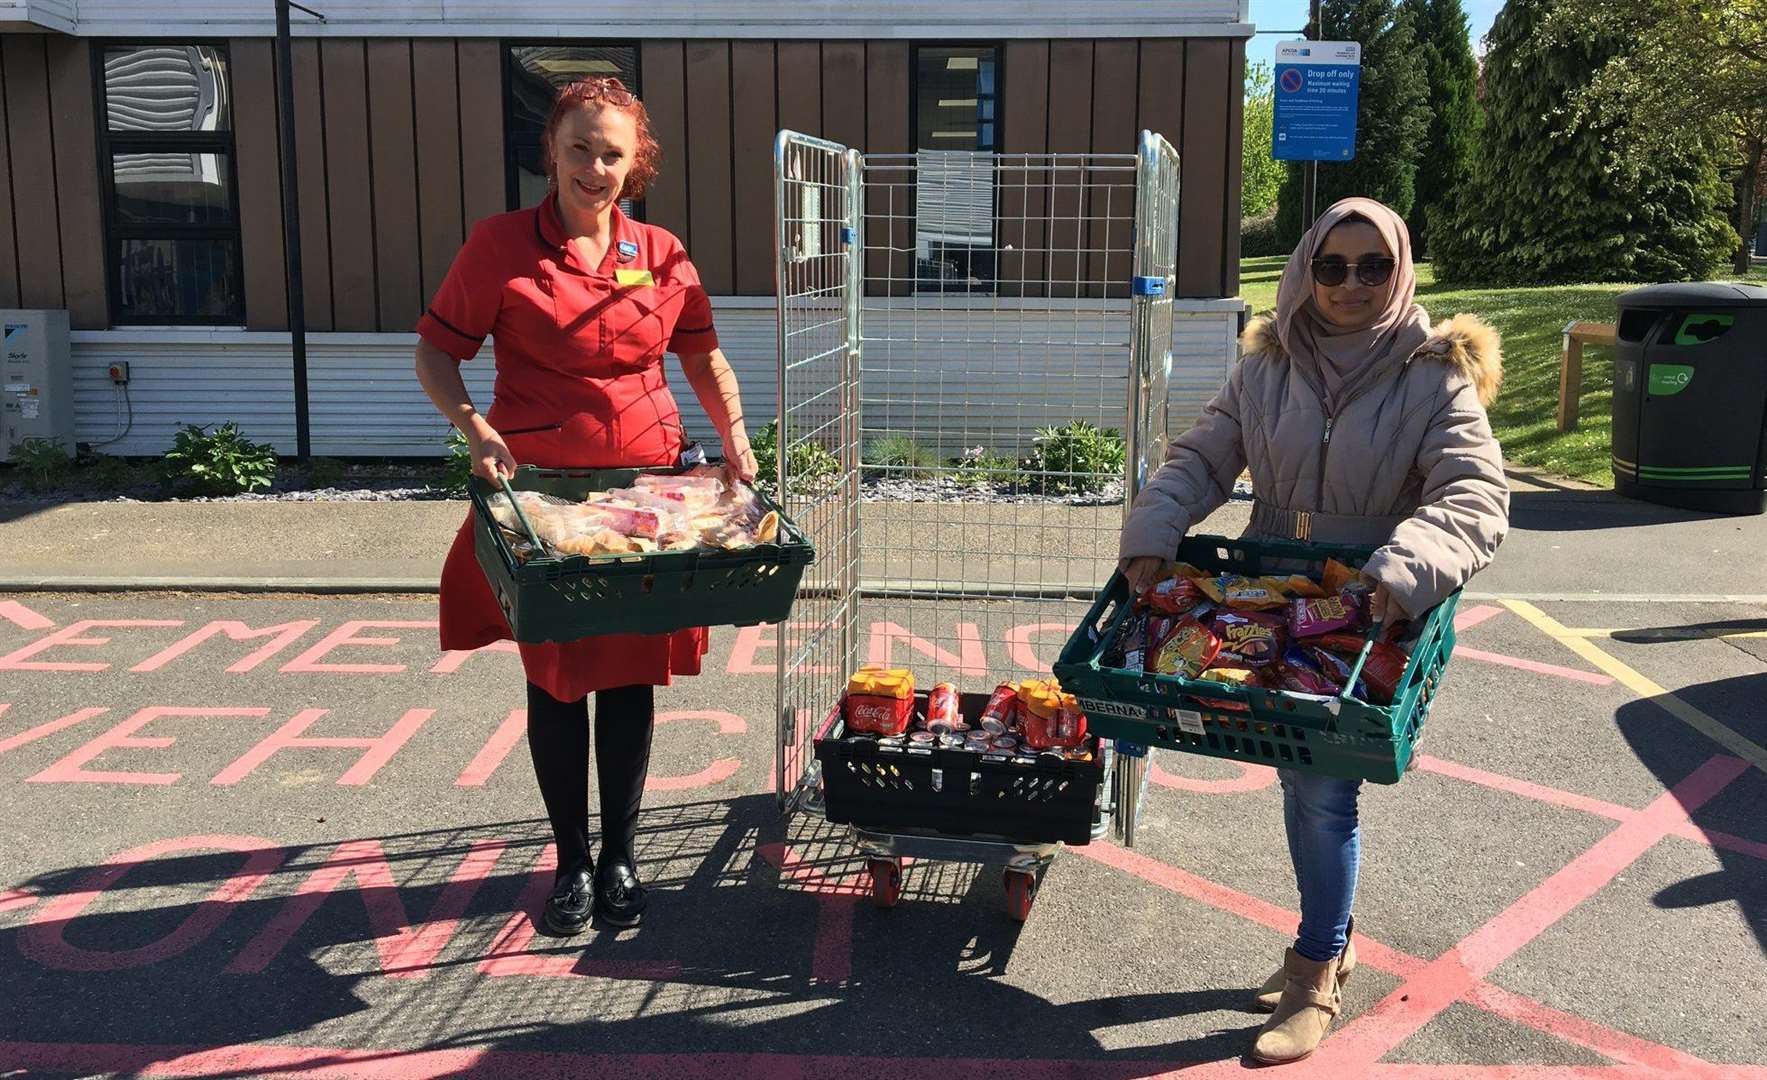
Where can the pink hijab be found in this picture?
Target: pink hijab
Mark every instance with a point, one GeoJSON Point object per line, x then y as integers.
{"type": "Point", "coordinates": [1342, 355]}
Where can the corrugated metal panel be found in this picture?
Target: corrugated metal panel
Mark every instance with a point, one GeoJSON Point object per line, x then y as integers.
{"type": "Point", "coordinates": [53, 14]}
{"type": "Point", "coordinates": [366, 402]}
{"type": "Point", "coordinates": [824, 19]}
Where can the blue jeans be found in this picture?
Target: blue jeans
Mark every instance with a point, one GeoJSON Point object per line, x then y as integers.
{"type": "Point", "coordinates": [1325, 845]}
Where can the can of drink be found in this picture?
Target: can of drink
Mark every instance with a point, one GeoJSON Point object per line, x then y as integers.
{"type": "Point", "coordinates": [941, 709]}
{"type": "Point", "coordinates": [921, 738]}
{"type": "Point", "coordinates": [1001, 710]}
{"type": "Point", "coordinates": [1005, 742]}
{"type": "Point", "coordinates": [951, 742]}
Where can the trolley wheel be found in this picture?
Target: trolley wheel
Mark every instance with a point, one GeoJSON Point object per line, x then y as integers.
{"type": "Point", "coordinates": [1021, 892]}
{"type": "Point", "coordinates": [886, 882]}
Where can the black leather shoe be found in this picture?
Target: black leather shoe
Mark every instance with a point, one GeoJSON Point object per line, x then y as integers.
{"type": "Point", "coordinates": [572, 902]}
{"type": "Point", "coordinates": [619, 895]}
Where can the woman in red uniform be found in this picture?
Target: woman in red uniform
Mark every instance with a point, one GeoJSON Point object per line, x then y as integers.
{"type": "Point", "coordinates": [581, 302]}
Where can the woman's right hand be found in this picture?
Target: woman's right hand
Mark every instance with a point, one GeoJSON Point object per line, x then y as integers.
{"type": "Point", "coordinates": [1143, 572]}
{"type": "Point", "coordinates": [490, 455]}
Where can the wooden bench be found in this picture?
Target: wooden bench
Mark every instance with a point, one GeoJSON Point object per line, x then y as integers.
{"type": "Point", "coordinates": [1570, 366]}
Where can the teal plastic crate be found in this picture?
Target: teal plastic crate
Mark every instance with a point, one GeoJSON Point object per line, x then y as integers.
{"type": "Point", "coordinates": [563, 598]}
{"type": "Point", "coordinates": [1337, 736]}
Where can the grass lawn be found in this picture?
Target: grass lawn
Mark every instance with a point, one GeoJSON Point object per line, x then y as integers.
{"type": "Point", "coordinates": [1531, 321]}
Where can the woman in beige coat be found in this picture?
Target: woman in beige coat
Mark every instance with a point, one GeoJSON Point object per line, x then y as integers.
{"type": "Point", "coordinates": [1360, 424]}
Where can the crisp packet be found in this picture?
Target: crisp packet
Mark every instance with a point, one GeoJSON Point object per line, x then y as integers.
{"type": "Point", "coordinates": [1298, 672]}
{"type": "Point", "coordinates": [1189, 572]}
{"type": "Point", "coordinates": [1173, 596]}
{"type": "Point", "coordinates": [1310, 618]}
{"type": "Point", "coordinates": [1190, 649]}
{"type": "Point", "coordinates": [1246, 677]}
{"type": "Point", "coordinates": [1337, 670]}
{"type": "Point", "coordinates": [1337, 576]}
{"type": "Point", "coordinates": [1251, 638]}
{"type": "Point", "coordinates": [1296, 585]}
{"type": "Point", "coordinates": [1247, 594]}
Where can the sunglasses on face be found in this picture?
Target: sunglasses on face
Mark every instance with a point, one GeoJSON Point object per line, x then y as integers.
{"type": "Point", "coordinates": [1331, 271]}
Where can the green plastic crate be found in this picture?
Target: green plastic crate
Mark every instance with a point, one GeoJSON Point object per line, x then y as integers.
{"type": "Point", "coordinates": [568, 597]}
{"type": "Point", "coordinates": [1337, 736]}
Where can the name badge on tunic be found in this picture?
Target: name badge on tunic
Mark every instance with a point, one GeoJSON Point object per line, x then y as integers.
{"type": "Point", "coordinates": [628, 250]}
{"type": "Point", "coordinates": [626, 278]}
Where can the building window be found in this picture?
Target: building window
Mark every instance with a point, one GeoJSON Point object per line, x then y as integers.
{"type": "Point", "coordinates": [534, 74]}
{"type": "Point", "coordinates": [956, 125]}
{"type": "Point", "coordinates": [172, 210]}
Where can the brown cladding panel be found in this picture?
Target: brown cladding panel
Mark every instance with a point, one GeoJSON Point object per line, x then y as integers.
{"type": "Point", "coordinates": [752, 102]}
{"type": "Point", "coordinates": [1070, 132]}
{"type": "Point", "coordinates": [800, 87]}
{"type": "Point", "coordinates": [889, 225]}
{"type": "Point", "coordinates": [8, 247]}
{"type": "Point", "coordinates": [310, 186]}
{"type": "Point", "coordinates": [349, 181]}
{"type": "Point", "coordinates": [708, 164]}
{"type": "Point", "coordinates": [257, 160]}
{"type": "Point", "coordinates": [843, 93]}
{"type": "Point", "coordinates": [1234, 157]}
{"type": "Point", "coordinates": [435, 86]}
{"type": "Point", "coordinates": [1161, 107]}
{"type": "Point", "coordinates": [27, 112]}
{"type": "Point", "coordinates": [484, 190]}
{"type": "Point", "coordinates": [392, 142]}
{"type": "Point", "coordinates": [1202, 179]}
{"type": "Point", "coordinates": [663, 73]}
{"type": "Point", "coordinates": [1024, 185]}
{"type": "Point", "coordinates": [76, 182]}
{"type": "Point", "coordinates": [1111, 224]}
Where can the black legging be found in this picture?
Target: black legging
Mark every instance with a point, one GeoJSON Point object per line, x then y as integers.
{"type": "Point", "coordinates": [558, 740]}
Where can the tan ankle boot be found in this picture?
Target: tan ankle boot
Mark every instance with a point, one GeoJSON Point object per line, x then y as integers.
{"type": "Point", "coordinates": [1271, 991]}
{"type": "Point", "coordinates": [1309, 1003]}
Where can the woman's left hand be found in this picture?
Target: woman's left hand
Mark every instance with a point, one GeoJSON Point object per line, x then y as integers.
{"type": "Point", "coordinates": [739, 461]}
{"type": "Point", "coordinates": [1385, 608]}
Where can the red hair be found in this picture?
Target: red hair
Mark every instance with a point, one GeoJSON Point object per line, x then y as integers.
{"type": "Point", "coordinates": [605, 93]}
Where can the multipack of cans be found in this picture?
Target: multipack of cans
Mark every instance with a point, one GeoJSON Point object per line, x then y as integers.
{"type": "Point", "coordinates": [1030, 719]}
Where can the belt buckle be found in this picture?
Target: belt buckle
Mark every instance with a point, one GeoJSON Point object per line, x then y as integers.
{"type": "Point", "coordinates": [1303, 525]}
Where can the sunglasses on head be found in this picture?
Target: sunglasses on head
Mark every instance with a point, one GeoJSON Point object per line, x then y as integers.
{"type": "Point", "coordinates": [609, 90]}
{"type": "Point", "coordinates": [1332, 270]}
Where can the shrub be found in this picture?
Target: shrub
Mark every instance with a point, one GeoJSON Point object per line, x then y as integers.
{"type": "Point", "coordinates": [1076, 457]}
{"type": "Point", "coordinates": [976, 466]}
{"type": "Point", "coordinates": [103, 472]}
{"type": "Point", "coordinates": [1258, 237]}
{"type": "Point", "coordinates": [890, 451]}
{"type": "Point", "coordinates": [222, 462]}
{"type": "Point", "coordinates": [458, 468]}
{"type": "Point", "coordinates": [808, 463]}
{"type": "Point", "coordinates": [44, 462]}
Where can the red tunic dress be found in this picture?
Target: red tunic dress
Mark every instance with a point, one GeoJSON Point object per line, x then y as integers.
{"type": "Point", "coordinates": [579, 385]}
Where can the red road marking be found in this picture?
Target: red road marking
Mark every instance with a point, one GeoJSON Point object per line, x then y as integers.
{"type": "Point", "coordinates": [1381, 957]}
{"type": "Point", "coordinates": [1467, 618]}
{"type": "Point", "coordinates": [1448, 978]}
{"type": "Point", "coordinates": [509, 955]}
{"type": "Point", "coordinates": [16, 899]}
{"type": "Point", "coordinates": [832, 960]}
{"type": "Point", "coordinates": [485, 762]}
{"type": "Point", "coordinates": [1686, 830]}
{"type": "Point", "coordinates": [1535, 666]}
{"type": "Point", "coordinates": [23, 617]}
{"type": "Point", "coordinates": [426, 1064]}
{"type": "Point", "coordinates": [50, 728]}
{"type": "Point", "coordinates": [1251, 778]}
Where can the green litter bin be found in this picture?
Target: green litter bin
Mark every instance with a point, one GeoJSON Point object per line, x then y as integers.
{"type": "Point", "coordinates": [1690, 396]}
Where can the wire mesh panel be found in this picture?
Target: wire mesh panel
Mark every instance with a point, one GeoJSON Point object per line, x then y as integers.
{"type": "Point", "coordinates": [1156, 281]}
{"type": "Point", "coordinates": [816, 202]}
{"type": "Point", "coordinates": [995, 334]}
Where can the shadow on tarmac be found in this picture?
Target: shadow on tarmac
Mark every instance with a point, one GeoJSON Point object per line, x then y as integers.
{"type": "Point", "coordinates": [1584, 511]}
{"type": "Point", "coordinates": [743, 939]}
{"type": "Point", "coordinates": [1672, 750]}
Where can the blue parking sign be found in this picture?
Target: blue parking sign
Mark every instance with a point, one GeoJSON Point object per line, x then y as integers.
{"type": "Point", "coordinates": [1317, 83]}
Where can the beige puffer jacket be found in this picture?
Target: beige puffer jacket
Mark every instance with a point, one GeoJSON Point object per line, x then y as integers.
{"type": "Point", "coordinates": [1407, 464]}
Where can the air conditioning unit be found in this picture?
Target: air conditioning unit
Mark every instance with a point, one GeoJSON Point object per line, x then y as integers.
{"type": "Point", "coordinates": [36, 380]}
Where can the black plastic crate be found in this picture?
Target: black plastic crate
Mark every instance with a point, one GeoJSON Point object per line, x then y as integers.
{"type": "Point", "coordinates": [961, 793]}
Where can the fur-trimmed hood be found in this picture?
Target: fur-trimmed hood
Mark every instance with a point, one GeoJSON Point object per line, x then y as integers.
{"type": "Point", "coordinates": [1465, 341]}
